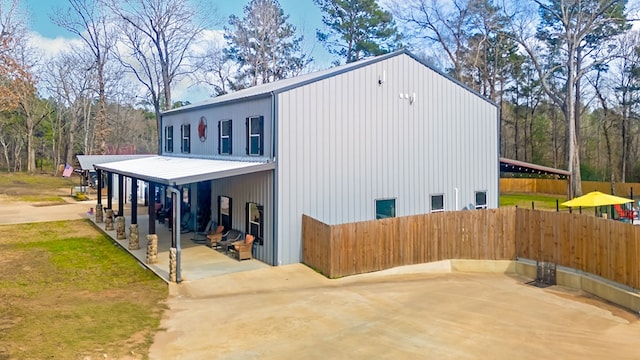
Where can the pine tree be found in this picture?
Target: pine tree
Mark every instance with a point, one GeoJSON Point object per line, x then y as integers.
{"type": "Point", "coordinates": [357, 28]}
{"type": "Point", "coordinates": [264, 45]}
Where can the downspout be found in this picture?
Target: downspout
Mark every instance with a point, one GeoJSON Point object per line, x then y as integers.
{"type": "Point", "coordinates": [274, 138]}
{"type": "Point", "coordinates": [498, 131]}
{"type": "Point", "coordinates": [455, 190]}
{"type": "Point", "coordinates": [160, 135]}
{"type": "Point", "coordinates": [175, 227]}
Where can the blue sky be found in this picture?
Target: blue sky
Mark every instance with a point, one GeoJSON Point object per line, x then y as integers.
{"type": "Point", "coordinates": [303, 14]}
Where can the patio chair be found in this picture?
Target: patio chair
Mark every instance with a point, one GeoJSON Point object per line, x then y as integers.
{"type": "Point", "coordinates": [624, 214]}
{"type": "Point", "coordinates": [229, 238]}
{"type": "Point", "coordinates": [243, 247]}
{"type": "Point", "coordinates": [214, 238]}
{"type": "Point", "coordinates": [185, 223]}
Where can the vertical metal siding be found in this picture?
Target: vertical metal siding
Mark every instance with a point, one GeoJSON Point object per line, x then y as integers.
{"type": "Point", "coordinates": [237, 112]}
{"type": "Point", "coordinates": [346, 140]}
{"type": "Point", "coordinates": [257, 188]}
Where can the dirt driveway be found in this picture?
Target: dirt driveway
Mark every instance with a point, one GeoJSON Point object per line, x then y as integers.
{"type": "Point", "coordinates": [292, 312]}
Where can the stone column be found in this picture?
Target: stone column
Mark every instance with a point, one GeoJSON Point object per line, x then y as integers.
{"type": "Point", "coordinates": [108, 221]}
{"type": "Point", "coordinates": [173, 265]}
{"type": "Point", "coordinates": [152, 249]}
{"type": "Point", "coordinates": [99, 214]}
{"type": "Point", "coordinates": [121, 233]}
{"type": "Point", "coordinates": [134, 239]}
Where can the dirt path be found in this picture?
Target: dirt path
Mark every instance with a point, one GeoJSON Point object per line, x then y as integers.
{"type": "Point", "coordinates": [292, 312]}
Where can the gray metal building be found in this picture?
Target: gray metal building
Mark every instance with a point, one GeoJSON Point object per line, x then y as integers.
{"type": "Point", "coordinates": [386, 136]}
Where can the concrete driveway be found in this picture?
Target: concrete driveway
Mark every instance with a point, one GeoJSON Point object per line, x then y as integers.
{"type": "Point", "coordinates": [19, 212]}
{"type": "Point", "coordinates": [411, 313]}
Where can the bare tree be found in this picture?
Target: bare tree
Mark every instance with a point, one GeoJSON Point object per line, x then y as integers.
{"type": "Point", "coordinates": [70, 77]}
{"type": "Point", "coordinates": [15, 76]}
{"type": "Point", "coordinates": [214, 68]}
{"type": "Point", "coordinates": [87, 20]}
{"type": "Point", "coordinates": [157, 36]}
{"type": "Point", "coordinates": [570, 33]}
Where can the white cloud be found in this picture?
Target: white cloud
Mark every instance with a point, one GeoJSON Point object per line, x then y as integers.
{"type": "Point", "coordinates": [184, 89]}
{"type": "Point", "coordinates": [52, 47]}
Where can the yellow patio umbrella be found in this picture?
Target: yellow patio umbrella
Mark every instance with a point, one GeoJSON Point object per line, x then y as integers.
{"type": "Point", "coordinates": [596, 198]}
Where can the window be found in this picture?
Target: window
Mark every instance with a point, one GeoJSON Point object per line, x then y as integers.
{"type": "Point", "coordinates": [186, 138]}
{"type": "Point", "coordinates": [481, 199]}
{"type": "Point", "coordinates": [385, 208]}
{"type": "Point", "coordinates": [224, 141]}
{"type": "Point", "coordinates": [254, 221]}
{"type": "Point", "coordinates": [168, 139]}
{"type": "Point", "coordinates": [437, 203]}
{"type": "Point", "coordinates": [255, 135]}
{"type": "Point", "coordinates": [224, 212]}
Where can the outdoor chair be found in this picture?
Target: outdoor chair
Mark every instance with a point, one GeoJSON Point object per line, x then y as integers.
{"type": "Point", "coordinates": [243, 247]}
{"type": "Point", "coordinates": [624, 214]}
{"type": "Point", "coordinates": [229, 238]}
{"type": "Point", "coordinates": [214, 238]}
{"type": "Point", "coordinates": [185, 223]}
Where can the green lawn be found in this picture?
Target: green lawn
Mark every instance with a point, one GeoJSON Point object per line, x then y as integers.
{"type": "Point", "coordinates": [541, 202]}
{"type": "Point", "coordinates": [67, 292]}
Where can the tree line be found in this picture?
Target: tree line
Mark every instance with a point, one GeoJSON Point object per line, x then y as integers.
{"type": "Point", "coordinates": [565, 73]}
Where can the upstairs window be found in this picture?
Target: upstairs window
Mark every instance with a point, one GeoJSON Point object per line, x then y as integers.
{"type": "Point", "coordinates": [168, 138]}
{"type": "Point", "coordinates": [385, 208]}
{"type": "Point", "coordinates": [186, 138]}
{"type": "Point", "coordinates": [224, 140]}
{"type": "Point", "coordinates": [255, 135]}
{"type": "Point", "coordinates": [481, 199]}
{"type": "Point", "coordinates": [437, 203]}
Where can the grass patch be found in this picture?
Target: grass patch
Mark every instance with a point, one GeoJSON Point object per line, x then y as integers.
{"type": "Point", "coordinates": [67, 292]}
{"type": "Point", "coordinates": [37, 185]}
{"type": "Point", "coordinates": [54, 200]}
{"type": "Point", "coordinates": [541, 202]}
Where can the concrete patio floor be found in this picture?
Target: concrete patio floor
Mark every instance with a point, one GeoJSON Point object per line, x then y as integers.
{"type": "Point", "coordinates": [413, 312]}
{"type": "Point", "coordinates": [198, 261]}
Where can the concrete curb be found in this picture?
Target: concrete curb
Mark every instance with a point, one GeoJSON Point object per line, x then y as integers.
{"type": "Point", "coordinates": [616, 293]}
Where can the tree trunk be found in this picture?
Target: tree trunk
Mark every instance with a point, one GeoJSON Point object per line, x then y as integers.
{"type": "Point", "coordinates": [569, 115]}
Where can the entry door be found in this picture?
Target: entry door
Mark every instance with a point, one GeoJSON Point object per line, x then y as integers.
{"type": "Point", "coordinates": [204, 205]}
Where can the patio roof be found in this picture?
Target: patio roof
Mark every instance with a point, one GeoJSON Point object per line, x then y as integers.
{"type": "Point", "coordinates": [515, 166]}
{"type": "Point", "coordinates": [87, 161]}
{"type": "Point", "coordinates": [180, 171]}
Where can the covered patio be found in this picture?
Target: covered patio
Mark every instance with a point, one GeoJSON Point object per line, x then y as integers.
{"type": "Point", "coordinates": [175, 255]}
{"type": "Point", "coordinates": [199, 261]}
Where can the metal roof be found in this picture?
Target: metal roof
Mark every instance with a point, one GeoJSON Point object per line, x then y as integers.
{"type": "Point", "coordinates": [180, 171]}
{"type": "Point", "coordinates": [301, 80]}
{"type": "Point", "coordinates": [87, 161]}
{"type": "Point", "coordinates": [515, 166]}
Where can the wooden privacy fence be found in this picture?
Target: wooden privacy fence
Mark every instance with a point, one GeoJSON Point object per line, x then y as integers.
{"type": "Point", "coordinates": [602, 247]}
{"type": "Point", "coordinates": [559, 187]}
